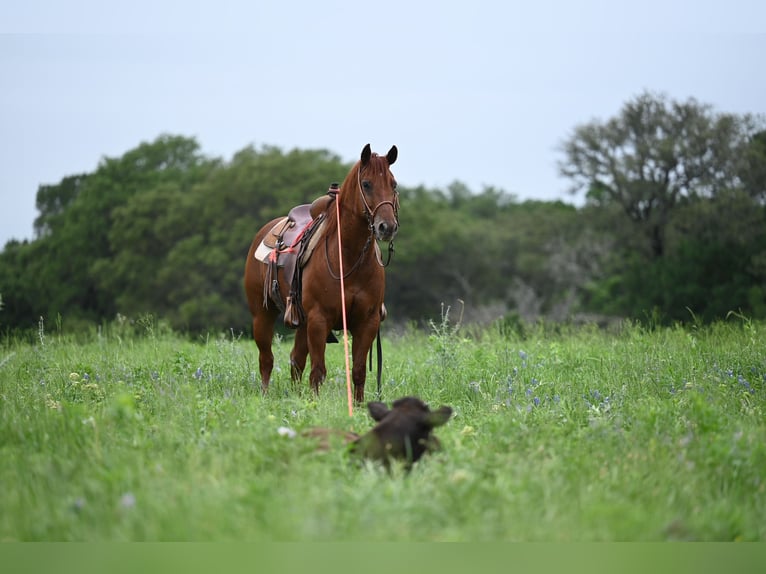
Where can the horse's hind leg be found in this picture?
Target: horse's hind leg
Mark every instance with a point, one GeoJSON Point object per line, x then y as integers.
{"type": "Point", "coordinates": [298, 354]}
{"type": "Point", "coordinates": [317, 331]}
{"type": "Point", "coordinates": [263, 334]}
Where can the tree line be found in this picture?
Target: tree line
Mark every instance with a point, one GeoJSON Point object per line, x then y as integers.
{"type": "Point", "coordinates": [673, 228]}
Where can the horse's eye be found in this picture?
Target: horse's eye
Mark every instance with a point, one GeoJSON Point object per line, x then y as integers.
{"type": "Point", "coordinates": [366, 185]}
{"type": "Point", "coordinates": [393, 186]}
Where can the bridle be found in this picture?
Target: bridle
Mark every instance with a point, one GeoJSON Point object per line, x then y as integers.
{"type": "Point", "coordinates": [370, 215]}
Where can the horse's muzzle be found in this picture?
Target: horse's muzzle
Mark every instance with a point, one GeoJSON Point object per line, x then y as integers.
{"type": "Point", "coordinates": [385, 230]}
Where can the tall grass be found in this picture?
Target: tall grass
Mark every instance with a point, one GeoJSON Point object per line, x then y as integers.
{"type": "Point", "coordinates": [563, 434]}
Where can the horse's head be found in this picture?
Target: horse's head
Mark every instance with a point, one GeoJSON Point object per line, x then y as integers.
{"type": "Point", "coordinates": [377, 187]}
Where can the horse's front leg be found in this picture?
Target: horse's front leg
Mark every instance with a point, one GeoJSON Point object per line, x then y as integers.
{"type": "Point", "coordinates": [317, 331]}
{"type": "Point", "coordinates": [360, 348]}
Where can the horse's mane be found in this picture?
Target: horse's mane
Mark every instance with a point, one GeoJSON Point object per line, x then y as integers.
{"type": "Point", "coordinates": [378, 162]}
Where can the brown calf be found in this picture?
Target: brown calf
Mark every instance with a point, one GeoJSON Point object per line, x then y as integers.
{"type": "Point", "coordinates": [402, 433]}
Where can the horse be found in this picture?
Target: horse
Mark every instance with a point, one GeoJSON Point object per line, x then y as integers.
{"type": "Point", "coordinates": [368, 204]}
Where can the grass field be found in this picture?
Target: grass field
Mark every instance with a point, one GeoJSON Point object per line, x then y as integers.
{"type": "Point", "coordinates": [563, 434]}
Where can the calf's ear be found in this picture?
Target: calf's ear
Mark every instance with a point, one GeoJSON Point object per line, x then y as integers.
{"type": "Point", "coordinates": [377, 410]}
{"type": "Point", "coordinates": [438, 417]}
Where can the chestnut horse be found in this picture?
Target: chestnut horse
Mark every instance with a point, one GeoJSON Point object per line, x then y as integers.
{"type": "Point", "coordinates": [368, 204]}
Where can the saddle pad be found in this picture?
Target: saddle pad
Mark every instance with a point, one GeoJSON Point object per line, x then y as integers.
{"type": "Point", "coordinates": [263, 252]}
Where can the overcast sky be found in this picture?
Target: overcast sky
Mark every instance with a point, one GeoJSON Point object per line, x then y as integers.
{"type": "Point", "coordinates": [480, 92]}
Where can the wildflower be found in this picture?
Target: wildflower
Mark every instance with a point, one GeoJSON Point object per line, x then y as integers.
{"type": "Point", "coordinates": [78, 504]}
{"type": "Point", "coordinates": [536, 400]}
{"type": "Point", "coordinates": [522, 355]}
{"type": "Point", "coordinates": [128, 500]}
{"type": "Point", "coordinates": [460, 475]}
{"type": "Point", "coordinates": [744, 382]}
{"type": "Point", "coordinates": [198, 373]}
{"type": "Point", "coordinates": [51, 403]}
{"type": "Point", "coordinates": [474, 386]}
{"type": "Point", "coordinates": [74, 377]}
{"type": "Point", "coordinates": [286, 431]}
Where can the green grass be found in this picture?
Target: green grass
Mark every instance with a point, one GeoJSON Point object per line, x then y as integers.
{"type": "Point", "coordinates": [562, 435]}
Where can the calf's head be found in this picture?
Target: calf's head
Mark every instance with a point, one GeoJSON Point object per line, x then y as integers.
{"type": "Point", "coordinates": [403, 433]}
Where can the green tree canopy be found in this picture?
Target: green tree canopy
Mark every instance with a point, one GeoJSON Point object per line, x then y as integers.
{"type": "Point", "coordinates": [655, 155]}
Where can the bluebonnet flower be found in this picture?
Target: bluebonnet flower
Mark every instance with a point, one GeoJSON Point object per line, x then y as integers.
{"type": "Point", "coordinates": [198, 373]}
{"type": "Point", "coordinates": [536, 400]}
{"type": "Point", "coordinates": [522, 355]}
{"type": "Point", "coordinates": [744, 382]}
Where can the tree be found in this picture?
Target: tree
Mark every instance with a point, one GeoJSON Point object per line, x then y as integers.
{"type": "Point", "coordinates": [656, 155]}
{"type": "Point", "coordinates": [693, 183]}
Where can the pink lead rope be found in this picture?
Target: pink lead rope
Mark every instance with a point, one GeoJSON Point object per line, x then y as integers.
{"type": "Point", "coordinates": [343, 311]}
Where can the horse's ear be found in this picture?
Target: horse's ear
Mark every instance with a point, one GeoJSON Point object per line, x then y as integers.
{"type": "Point", "coordinates": [392, 154]}
{"type": "Point", "coordinates": [366, 154]}
{"type": "Point", "coordinates": [378, 410]}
